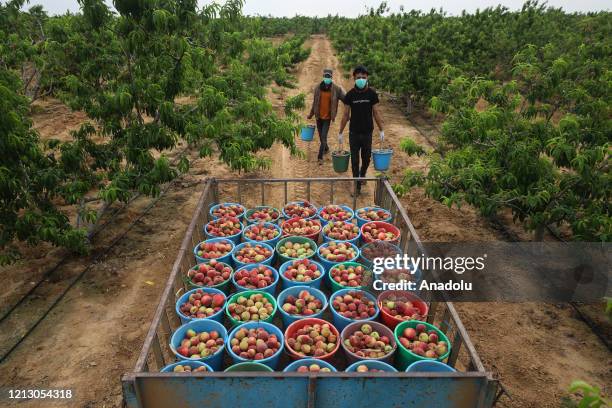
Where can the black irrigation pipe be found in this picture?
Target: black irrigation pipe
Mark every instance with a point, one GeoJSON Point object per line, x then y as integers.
{"type": "Point", "coordinates": [592, 325]}
{"type": "Point", "coordinates": [96, 230]}
{"type": "Point", "coordinates": [62, 261]}
{"type": "Point", "coordinates": [77, 278]}
{"type": "Point", "coordinates": [431, 142]}
{"type": "Point", "coordinates": [86, 269]}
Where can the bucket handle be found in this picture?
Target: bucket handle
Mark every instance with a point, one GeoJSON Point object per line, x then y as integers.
{"type": "Point", "coordinates": [381, 138]}
{"type": "Point", "coordinates": [186, 281]}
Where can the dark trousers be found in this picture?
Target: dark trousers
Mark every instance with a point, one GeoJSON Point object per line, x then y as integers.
{"type": "Point", "coordinates": [323, 129]}
{"type": "Point", "coordinates": [361, 145]}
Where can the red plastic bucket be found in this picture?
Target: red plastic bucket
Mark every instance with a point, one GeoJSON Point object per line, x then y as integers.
{"type": "Point", "coordinates": [295, 326]}
{"type": "Point", "coordinates": [392, 321]}
{"type": "Point", "coordinates": [380, 224]}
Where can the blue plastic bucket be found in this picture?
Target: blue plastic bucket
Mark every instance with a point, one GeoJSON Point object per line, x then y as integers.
{"type": "Point", "coordinates": [354, 241]}
{"type": "Point", "coordinates": [288, 283]}
{"type": "Point", "coordinates": [234, 238]}
{"type": "Point", "coordinates": [294, 291]}
{"type": "Point", "coordinates": [193, 364]}
{"type": "Point", "coordinates": [214, 207]}
{"type": "Point", "coordinates": [340, 321]}
{"type": "Point", "coordinates": [361, 221]}
{"type": "Point", "coordinates": [307, 133]}
{"type": "Point", "coordinates": [301, 203]}
{"type": "Point", "coordinates": [216, 360]}
{"type": "Point", "coordinates": [271, 362]}
{"type": "Point", "coordinates": [429, 366]}
{"type": "Point", "coordinates": [307, 362]}
{"type": "Point", "coordinates": [377, 365]}
{"type": "Point", "coordinates": [272, 242]}
{"type": "Point", "coordinates": [260, 207]}
{"type": "Point", "coordinates": [327, 264]}
{"type": "Point", "coordinates": [225, 259]}
{"type": "Point", "coordinates": [185, 319]}
{"type": "Point", "coordinates": [344, 207]}
{"type": "Point", "coordinates": [239, 264]}
{"type": "Point", "coordinates": [268, 289]}
{"type": "Point", "coordinates": [382, 159]}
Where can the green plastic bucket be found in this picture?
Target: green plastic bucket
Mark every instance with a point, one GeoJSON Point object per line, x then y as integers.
{"type": "Point", "coordinates": [335, 286]}
{"type": "Point", "coordinates": [405, 357]}
{"type": "Point", "coordinates": [340, 161]}
{"type": "Point", "coordinates": [248, 367]}
{"type": "Point", "coordinates": [248, 293]}
{"type": "Point", "coordinates": [223, 286]}
{"type": "Point", "coordinates": [293, 238]}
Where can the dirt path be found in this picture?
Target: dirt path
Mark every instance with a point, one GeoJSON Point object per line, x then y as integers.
{"type": "Point", "coordinates": [95, 333]}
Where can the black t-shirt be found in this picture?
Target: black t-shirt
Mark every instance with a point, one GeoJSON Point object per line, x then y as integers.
{"type": "Point", "coordinates": [361, 103]}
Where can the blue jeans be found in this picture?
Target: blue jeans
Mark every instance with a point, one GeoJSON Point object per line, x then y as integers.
{"type": "Point", "coordinates": [323, 129]}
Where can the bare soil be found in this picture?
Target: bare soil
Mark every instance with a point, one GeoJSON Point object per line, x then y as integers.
{"type": "Point", "coordinates": [95, 333]}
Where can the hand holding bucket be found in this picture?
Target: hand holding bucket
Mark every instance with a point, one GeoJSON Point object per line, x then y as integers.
{"type": "Point", "coordinates": [382, 157]}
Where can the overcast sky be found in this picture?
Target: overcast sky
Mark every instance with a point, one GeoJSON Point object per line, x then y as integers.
{"type": "Point", "coordinates": [352, 8]}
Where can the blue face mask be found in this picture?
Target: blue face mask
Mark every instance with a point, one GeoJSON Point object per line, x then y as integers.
{"type": "Point", "coordinates": [327, 81]}
{"type": "Point", "coordinates": [361, 83]}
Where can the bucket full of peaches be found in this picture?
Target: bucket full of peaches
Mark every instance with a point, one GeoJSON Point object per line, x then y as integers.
{"type": "Point", "coordinates": [397, 306]}
{"type": "Point", "coordinates": [381, 231]}
{"type": "Point", "coordinates": [301, 227]}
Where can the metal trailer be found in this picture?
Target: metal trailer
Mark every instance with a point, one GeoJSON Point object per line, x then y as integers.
{"type": "Point", "coordinates": [145, 386]}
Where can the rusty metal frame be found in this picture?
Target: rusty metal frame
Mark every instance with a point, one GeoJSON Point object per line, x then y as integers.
{"type": "Point", "coordinates": [155, 349]}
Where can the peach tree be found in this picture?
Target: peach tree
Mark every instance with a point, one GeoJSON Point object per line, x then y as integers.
{"type": "Point", "coordinates": [157, 74]}
{"type": "Point", "coordinates": [537, 145]}
{"type": "Point", "coordinates": [30, 180]}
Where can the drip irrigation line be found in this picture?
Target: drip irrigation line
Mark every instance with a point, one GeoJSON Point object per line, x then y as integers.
{"type": "Point", "coordinates": [88, 267]}
{"type": "Point", "coordinates": [95, 231]}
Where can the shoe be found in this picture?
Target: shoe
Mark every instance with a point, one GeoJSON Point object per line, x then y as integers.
{"type": "Point", "coordinates": [320, 161]}
{"type": "Point", "coordinates": [358, 192]}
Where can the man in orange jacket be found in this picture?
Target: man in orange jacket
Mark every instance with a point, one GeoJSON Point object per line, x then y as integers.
{"type": "Point", "coordinates": [325, 108]}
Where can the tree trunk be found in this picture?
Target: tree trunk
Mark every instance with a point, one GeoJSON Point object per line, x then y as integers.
{"type": "Point", "coordinates": [409, 105]}
{"type": "Point", "coordinates": [539, 233]}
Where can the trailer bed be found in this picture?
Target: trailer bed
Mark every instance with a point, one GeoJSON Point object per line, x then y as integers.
{"type": "Point", "coordinates": [146, 387]}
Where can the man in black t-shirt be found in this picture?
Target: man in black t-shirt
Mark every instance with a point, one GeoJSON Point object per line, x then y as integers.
{"type": "Point", "coordinates": [361, 107]}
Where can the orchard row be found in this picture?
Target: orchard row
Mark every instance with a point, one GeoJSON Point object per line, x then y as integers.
{"type": "Point", "coordinates": [525, 101]}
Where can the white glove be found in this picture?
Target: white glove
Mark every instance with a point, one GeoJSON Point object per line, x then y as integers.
{"type": "Point", "coordinates": [340, 139]}
{"type": "Point", "coordinates": [382, 136]}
